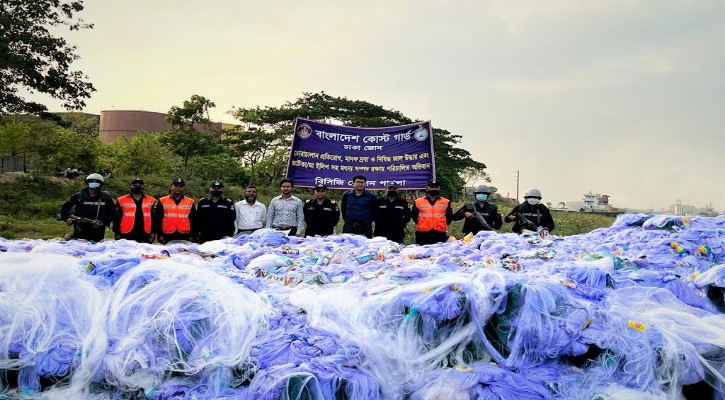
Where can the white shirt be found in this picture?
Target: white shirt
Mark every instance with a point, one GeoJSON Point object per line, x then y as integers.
{"type": "Point", "coordinates": [250, 216]}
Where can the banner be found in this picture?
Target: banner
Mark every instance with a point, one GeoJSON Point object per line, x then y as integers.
{"type": "Point", "coordinates": [333, 154]}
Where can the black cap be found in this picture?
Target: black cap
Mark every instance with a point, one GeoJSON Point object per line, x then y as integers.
{"type": "Point", "coordinates": [135, 180]}
{"type": "Point", "coordinates": [433, 183]}
{"type": "Point", "coordinates": [178, 181]}
{"type": "Point", "coordinates": [217, 184]}
{"type": "Point", "coordinates": [321, 186]}
{"type": "Point", "coordinates": [392, 186]}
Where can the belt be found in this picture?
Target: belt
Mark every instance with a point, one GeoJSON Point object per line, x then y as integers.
{"type": "Point", "coordinates": [283, 228]}
{"type": "Point", "coordinates": [249, 230]}
{"type": "Point", "coordinates": [359, 224]}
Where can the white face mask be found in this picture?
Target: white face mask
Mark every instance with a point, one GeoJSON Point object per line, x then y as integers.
{"type": "Point", "coordinates": [94, 185]}
{"type": "Point", "coordinates": [533, 201]}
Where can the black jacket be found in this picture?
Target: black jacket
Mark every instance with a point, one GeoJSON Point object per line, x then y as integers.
{"type": "Point", "coordinates": [538, 214]}
{"type": "Point", "coordinates": [100, 207]}
{"type": "Point", "coordinates": [488, 211]}
{"type": "Point", "coordinates": [321, 219]}
{"type": "Point", "coordinates": [215, 220]}
{"type": "Point", "coordinates": [391, 218]}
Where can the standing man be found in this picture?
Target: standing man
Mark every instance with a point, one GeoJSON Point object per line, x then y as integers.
{"type": "Point", "coordinates": [134, 214]}
{"type": "Point", "coordinates": [358, 208]}
{"type": "Point", "coordinates": [176, 215]}
{"type": "Point", "coordinates": [251, 214]}
{"type": "Point", "coordinates": [285, 211]}
{"type": "Point", "coordinates": [215, 214]}
{"type": "Point", "coordinates": [94, 206]}
{"type": "Point", "coordinates": [480, 208]}
{"type": "Point", "coordinates": [393, 215]}
{"type": "Point", "coordinates": [432, 215]}
{"type": "Point", "coordinates": [533, 211]}
{"type": "Point", "coordinates": [321, 213]}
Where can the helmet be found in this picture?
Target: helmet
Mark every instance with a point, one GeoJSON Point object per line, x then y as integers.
{"type": "Point", "coordinates": [482, 189]}
{"type": "Point", "coordinates": [533, 193]}
{"type": "Point", "coordinates": [95, 177]}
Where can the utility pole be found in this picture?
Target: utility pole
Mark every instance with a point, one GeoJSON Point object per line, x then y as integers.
{"type": "Point", "coordinates": [517, 186]}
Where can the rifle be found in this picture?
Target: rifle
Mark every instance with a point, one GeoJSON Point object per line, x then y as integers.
{"type": "Point", "coordinates": [527, 222]}
{"type": "Point", "coordinates": [482, 220]}
{"type": "Point", "coordinates": [76, 218]}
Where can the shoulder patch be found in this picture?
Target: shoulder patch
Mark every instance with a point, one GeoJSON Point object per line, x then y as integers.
{"type": "Point", "coordinates": [333, 201]}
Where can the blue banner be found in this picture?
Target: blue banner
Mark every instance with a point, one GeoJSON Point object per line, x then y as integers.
{"type": "Point", "coordinates": [333, 154]}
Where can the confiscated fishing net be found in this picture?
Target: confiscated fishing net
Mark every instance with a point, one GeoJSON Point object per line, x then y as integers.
{"type": "Point", "coordinates": [630, 311]}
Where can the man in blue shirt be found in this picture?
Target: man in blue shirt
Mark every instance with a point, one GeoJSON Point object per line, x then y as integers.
{"type": "Point", "coordinates": [358, 208]}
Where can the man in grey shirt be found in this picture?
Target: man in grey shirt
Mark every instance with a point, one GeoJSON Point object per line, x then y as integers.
{"type": "Point", "coordinates": [285, 211]}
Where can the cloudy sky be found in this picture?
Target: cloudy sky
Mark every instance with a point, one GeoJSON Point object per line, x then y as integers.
{"type": "Point", "coordinates": [625, 98]}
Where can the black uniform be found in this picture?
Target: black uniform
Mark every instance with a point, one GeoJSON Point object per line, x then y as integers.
{"type": "Point", "coordinates": [391, 218]}
{"type": "Point", "coordinates": [215, 220]}
{"type": "Point", "coordinates": [538, 214]}
{"type": "Point", "coordinates": [488, 211]}
{"type": "Point", "coordinates": [321, 219]}
{"type": "Point", "coordinates": [100, 207]}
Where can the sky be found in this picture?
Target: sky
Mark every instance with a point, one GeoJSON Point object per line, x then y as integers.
{"type": "Point", "coordinates": [625, 98]}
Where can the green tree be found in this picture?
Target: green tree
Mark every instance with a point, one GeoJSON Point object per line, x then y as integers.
{"type": "Point", "coordinates": [66, 147]}
{"type": "Point", "coordinates": [183, 139]}
{"type": "Point", "coordinates": [142, 154]}
{"type": "Point", "coordinates": [268, 131]}
{"type": "Point", "coordinates": [33, 59]}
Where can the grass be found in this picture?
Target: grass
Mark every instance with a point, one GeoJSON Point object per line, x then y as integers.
{"type": "Point", "coordinates": [29, 204]}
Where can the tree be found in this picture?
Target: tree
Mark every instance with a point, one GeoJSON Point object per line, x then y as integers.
{"type": "Point", "coordinates": [183, 139]}
{"type": "Point", "coordinates": [142, 154]}
{"type": "Point", "coordinates": [268, 132]}
{"type": "Point", "coordinates": [33, 59]}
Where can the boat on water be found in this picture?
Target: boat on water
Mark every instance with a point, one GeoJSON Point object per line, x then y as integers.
{"type": "Point", "coordinates": [593, 203]}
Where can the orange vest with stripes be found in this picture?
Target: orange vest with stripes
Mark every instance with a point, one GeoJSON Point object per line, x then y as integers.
{"type": "Point", "coordinates": [128, 209]}
{"type": "Point", "coordinates": [176, 216]}
{"type": "Point", "coordinates": [432, 216]}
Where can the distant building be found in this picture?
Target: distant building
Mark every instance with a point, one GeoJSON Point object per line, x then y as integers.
{"type": "Point", "coordinates": [118, 123]}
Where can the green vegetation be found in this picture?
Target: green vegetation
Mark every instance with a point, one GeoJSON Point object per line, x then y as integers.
{"type": "Point", "coordinates": [34, 59]}
{"type": "Point", "coordinates": [29, 204]}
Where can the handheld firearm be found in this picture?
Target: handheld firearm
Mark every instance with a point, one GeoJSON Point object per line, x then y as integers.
{"type": "Point", "coordinates": [527, 222]}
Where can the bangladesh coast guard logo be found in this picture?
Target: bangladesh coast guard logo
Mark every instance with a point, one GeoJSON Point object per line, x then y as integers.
{"type": "Point", "coordinates": [304, 131]}
{"type": "Point", "coordinates": [421, 134]}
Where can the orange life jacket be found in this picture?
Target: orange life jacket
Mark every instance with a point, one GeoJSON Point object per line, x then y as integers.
{"type": "Point", "coordinates": [128, 208]}
{"type": "Point", "coordinates": [432, 217]}
{"type": "Point", "coordinates": [176, 217]}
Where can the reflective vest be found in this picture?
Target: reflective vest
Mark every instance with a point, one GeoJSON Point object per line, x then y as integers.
{"type": "Point", "coordinates": [176, 217]}
{"type": "Point", "coordinates": [128, 209]}
{"type": "Point", "coordinates": [432, 217]}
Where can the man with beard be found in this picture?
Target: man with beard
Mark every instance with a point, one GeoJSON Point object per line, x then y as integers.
{"type": "Point", "coordinates": [134, 214]}
{"type": "Point", "coordinates": [251, 214]}
{"type": "Point", "coordinates": [392, 216]}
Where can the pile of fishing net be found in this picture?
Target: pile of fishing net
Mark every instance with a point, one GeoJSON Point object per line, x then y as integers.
{"type": "Point", "coordinates": [630, 311]}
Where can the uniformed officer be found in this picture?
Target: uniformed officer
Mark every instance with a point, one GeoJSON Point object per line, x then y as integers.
{"type": "Point", "coordinates": [481, 208]}
{"type": "Point", "coordinates": [432, 215]}
{"type": "Point", "coordinates": [392, 216]}
{"type": "Point", "coordinates": [94, 206]}
{"type": "Point", "coordinates": [134, 214]}
{"type": "Point", "coordinates": [215, 214]}
{"type": "Point", "coordinates": [176, 215]}
{"type": "Point", "coordinates": [532, 211]}
{"type": "Point", "coordinates": [321, 213]}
